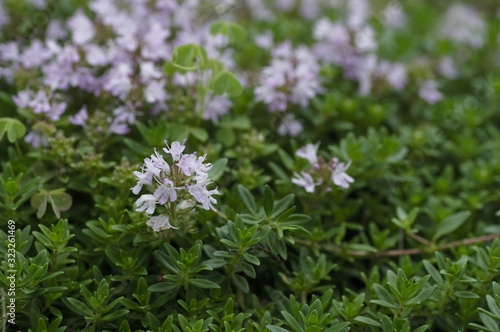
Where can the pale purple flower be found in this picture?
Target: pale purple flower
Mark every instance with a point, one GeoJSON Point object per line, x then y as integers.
{"type": "Point", "coordinates": [39, 4]}
{"type": "Point", "coordinates": [22, 99]}
{"type": "Point", "coordinates": [429, 92]}
{"type": "Point", "coordinates": [35, 55]}
{"type": "Point", "coordinates": [204, 196]}
{"type": "Point", "coordinates": [155, 92]}
{"type": "Point", "coordinates": [36, 139]}
{"type": "Point", "coordinates": [118, 81]}
{"type": "Point", "coordinates": [216, 107]}
{"type": "Point", "coordinates": [146, 203]}
{"type": "Point", "coordinates": [358, 13]}
{"type": "Point", "coordinates": [96, 55]}
{"type": "Point", "coordinates": [447, 68]}
{"type": "Point", "coordinates": [166, 192]}
{"type": "Point", "coordinates": [265, 40]}
{"type": "Point", "coordinates": [55, 31]}
{"type": "Point", "coordinates": [159, 223]}
{"type": "Point", "coordinates": [149, 71]}
{"type": "Point", "coordinates": [175, 150]}
{"type": "Point", "coordinates": [339, 175]}
{"type": "Point", "coordinates": [393, 15]}
{"type": "Point", "coordinates": [305, 181]}
{"type": "Point", "coordinates": [40, 103]}
{"type": "Point", "coordinates": [80, 118]}
{"type": "Point", "coordinates": [82, 28]}
{"type": "Point", "coordinates": [290, 126]}
{"type": "Point", "coordinates": [463, 24]}
{"type": "Point", "coordinates": [9, 51]}
{"type": "Point", "coordinates": [310, 153]}
{"type": "Point", "coordinates": [143, 178]}
{"type": "Point", "coordinates": [4, 16]}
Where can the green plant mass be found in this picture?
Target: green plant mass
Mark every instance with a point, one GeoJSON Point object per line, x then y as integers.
{"type": "Point", "coordinates": [253, 165]}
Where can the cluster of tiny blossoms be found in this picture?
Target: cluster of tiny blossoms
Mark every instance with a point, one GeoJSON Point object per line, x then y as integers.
{"type": "Point", "coordinates": [321, 171]}
{"type": "Point", "coordinates": [177, 186]}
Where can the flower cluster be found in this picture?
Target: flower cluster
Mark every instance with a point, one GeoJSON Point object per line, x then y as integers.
{"type": "Point", "coordinates": [177, 186]}
{"type": "Point", "coordinates": [320, 171]}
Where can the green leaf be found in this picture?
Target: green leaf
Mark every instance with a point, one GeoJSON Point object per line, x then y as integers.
{"type": "Point", "coordinates": [451, 223]}
{"type": "Point", "coordinates": [60, 201]}
{"type": "Point", "coordinates": [433, 272]}
{"type": "Point", "coordinates": [367, 321]}
{"type": "Point", "coordinates": [226, 82]}
{"type": "Point", "coordinates": [466, 295]}
{"type": "Point", "coordinates": [189, 57]}
{"type": "Point", "coordinates": [217, 169]}
{"type": "Point", "coordinates": [234, 31]}
{"type": "Point", "coordinates": [204, 283]}
{"type": "Point", "coordinates": [247, 199]}
{"type": "Point", "coordinates": [79, 307]}
{"type": "Point", "coordinates": [274, 328]}
{"type": "Point", "coordinates": [292, 322]}
{"type": "Point", "coordinates": [39, 202]}
{"type": "Point", "coordinates": [268, 201]}
{"type": "Point", "coordinates": [14, 128]}
{"type": "Point", "coordinates": [241, 282]}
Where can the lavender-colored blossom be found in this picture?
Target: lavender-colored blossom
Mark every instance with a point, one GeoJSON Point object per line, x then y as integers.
{"type": "Point", "coordinates": [55, 31]}
{"type": "Point", "coordinates": [9, 51]}
{"type": "Point", "coordinates": [187, 176]}
{"type": "Point", "coordinates": [394, 16]}
{"type": "Point", "coordinates": [82, 28]}
{"type": "Point", "coordinates": [146, 203]}
{"type": "Point", "coordinates": [159, 223]}
{"type": "Point", "coordinates": [310, 153]}
{"type": "Point", "coordinates": [215, 107]}
{"type": "Point", "coordinates": [118, 81]}
{"type": "Point", "coordinates": [22, 99]}
{"type": "Point", "coordinates": [305, 180]}
{"type": "Point", "coordinates": [36, 139]}
{"type": "Point", "coordinates": [339, 175]}
{"type": "Point", "coordinates": [175, 150]}
{"type": "Point", "coordinates": [429, 92]}
{"type": "Point", "coordinates": [290, 126]}
{"type": "Point", "coordinates": [35, 55]}
{"type": "Point", "coordinates": [80, 118]}
{"type": "Point", "coordinates": [39, 4]}
{"type": "Point", "coordinates": [40, 103]}
{"type": "Point", "coordinates": [463, 24]}
{"type": "Point", "coordinates": [265, 40]}
{"type": "Point", "coordinates": [447, 68]}
{"type": "Point", "coordinates": [166, 192]}
{"type": "Point", "coordinates": [155, 92]}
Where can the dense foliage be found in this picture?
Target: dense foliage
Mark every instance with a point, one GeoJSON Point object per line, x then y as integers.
{"type": "Point", "coordinates": [314, 165]}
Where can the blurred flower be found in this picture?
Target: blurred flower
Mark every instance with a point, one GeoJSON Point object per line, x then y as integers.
{"type": "Point", "coordinates": [159, 223]}
{"type": "Point", "coordinates": [429, 92]}
{"type": "Point", "coordinates": [309, 152]}
{"type": "Point", "coordinates": [463, 24]}
{"type": "Point", "coordinates": [305, 181]}
{"type": "Point", "coordinates": [339, 175]}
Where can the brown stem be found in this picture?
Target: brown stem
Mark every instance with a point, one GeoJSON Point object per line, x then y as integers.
{"type": "Point", "coordinates": [401, 252]}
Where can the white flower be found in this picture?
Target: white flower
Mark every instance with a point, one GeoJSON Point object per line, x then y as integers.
{"type": "Point", "coordinates": [159, 223]}
{"type": "Point", "coordinates": [175, 150]}
{"type": "Point", "coordinates": [305, 180]}
{"type": "Point", "coordinates": [309, 152]}
{"type": "Point", "coordinates": [146, 202]}
{"type": "Point", "coordinates": [339, 176]}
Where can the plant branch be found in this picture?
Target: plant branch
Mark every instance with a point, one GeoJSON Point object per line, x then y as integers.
{"type": "Point", "coordinates": [401, 252]}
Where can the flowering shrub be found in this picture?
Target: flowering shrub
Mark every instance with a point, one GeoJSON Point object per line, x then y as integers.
{"type": "Point", "coordinates": [253, 165]}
